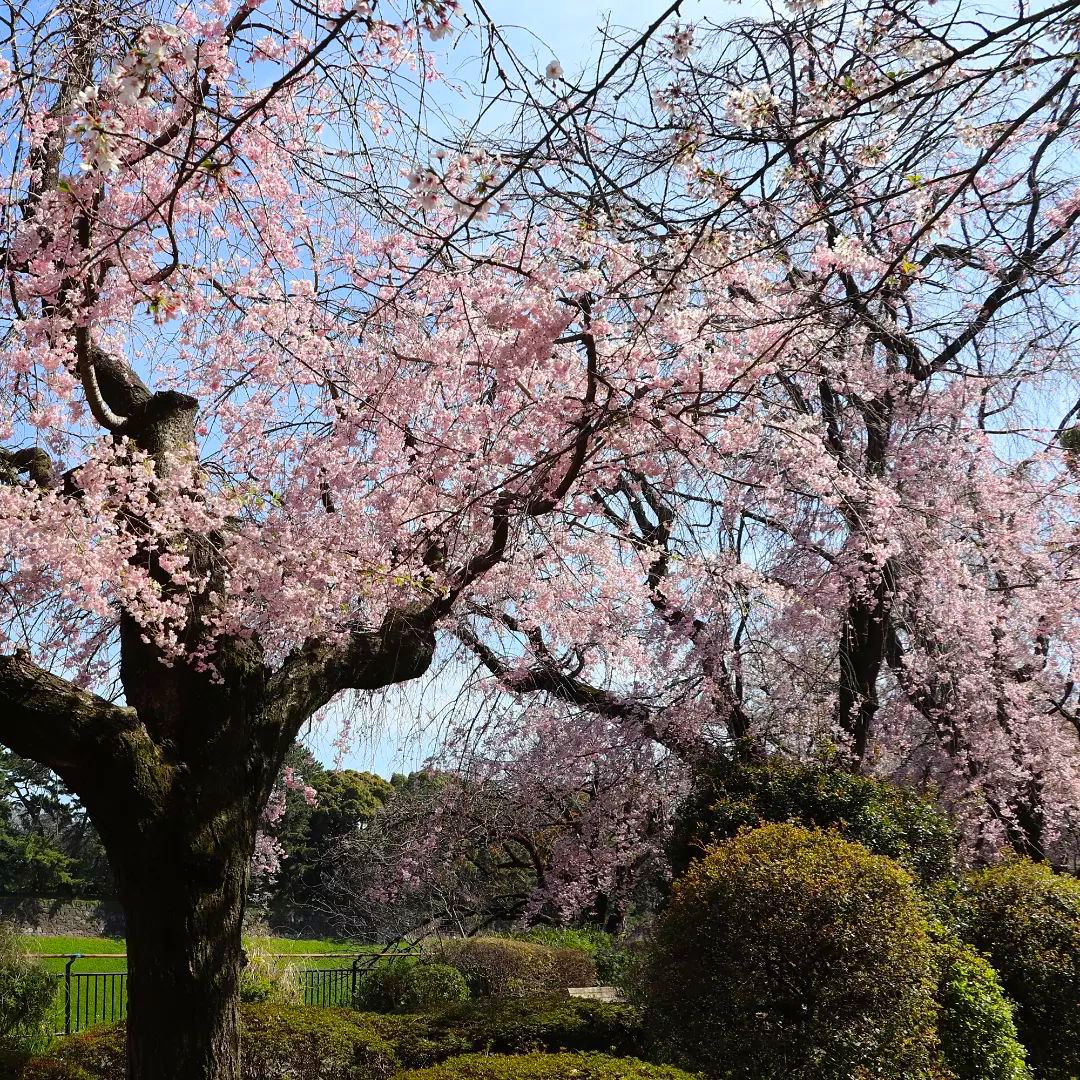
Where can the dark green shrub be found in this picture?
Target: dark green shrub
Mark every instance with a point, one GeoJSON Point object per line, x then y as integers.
{"type": "Point", "coordinates": [502, 967]}
{"type": "Point", "coordinates": [1026, 919]}
{"type": "Point", "coordinates": [407, 987]}
{"type": "Point", "coordinates": [546, 1067]}
{"type": "Point", "coordinates": [513, 1027]}
{"type": "Point", "coordinates": [975, 1025]}
{"type": "Point", "coordinates": [793, 953]}
{"type": "Point", "coordinates": [885, 819]}
{"type": "Point", "coordinates": [277, 1043]}
{"type": "Point", "coordinates": [26, 995]}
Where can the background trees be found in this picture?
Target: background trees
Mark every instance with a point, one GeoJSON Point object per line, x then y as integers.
{"type": "Point", "coordinates": [48, 845]}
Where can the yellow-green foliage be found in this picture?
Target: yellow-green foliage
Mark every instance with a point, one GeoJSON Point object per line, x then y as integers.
{"type": "Point", "coordinates": [792, 953]}
{"type": "Point", "coordinates": [613, 956]}
{"type": "Point", "coordinates": [100, 1054]}
{"type": "Point", "coordinates": [280, 1042]}
{"type": "Point", "coordinates": [407, 986]}
{"type": "Point", "coordinates": [1026, 919]}
{"type": "Point", "coordinates": [269, 978]}
{"type": "Point", "coordinates": [277, 1042]}
{"type": "Point", "coordinates": [545, 1067]}
{"type": "Point", "coordinates": [330, 1044]}
{"type": "Point", "coordinates": [26, 994]}
{"type": "Point", "coordinates": [502, 967]}
{"type": "Point", "coordinates": [976, 1030]}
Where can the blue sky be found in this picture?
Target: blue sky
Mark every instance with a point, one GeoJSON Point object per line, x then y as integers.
{"type": "Point", "coordinates": [387, 726]}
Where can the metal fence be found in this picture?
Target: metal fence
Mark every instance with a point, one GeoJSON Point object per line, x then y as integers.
{"type": "Point", "coordinates": [87, 998]}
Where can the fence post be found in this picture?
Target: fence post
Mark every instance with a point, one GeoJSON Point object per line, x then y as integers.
{"type": "Point", "coordinates": [67, 992]}
{"type": "Point", "coordinates": [352, 990]}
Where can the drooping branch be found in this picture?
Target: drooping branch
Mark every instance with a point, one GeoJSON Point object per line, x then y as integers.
{"type": "Point", "coordinates": [99, 408]}
{"type": "Point", "coordinates": [545, 677]}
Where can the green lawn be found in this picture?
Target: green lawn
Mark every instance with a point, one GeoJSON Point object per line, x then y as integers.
{"type": "Point", "coordinates": [43, 944]}
{"type": "Point", "coordinates": [98, 999]}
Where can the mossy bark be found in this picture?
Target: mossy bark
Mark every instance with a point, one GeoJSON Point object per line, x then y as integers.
{"type": "Point", "coordinates": [185, 907]}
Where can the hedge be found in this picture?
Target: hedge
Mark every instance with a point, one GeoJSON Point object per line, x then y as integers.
{"type": "Point", "coordinates": [408, 987]}
{"type": "Point", "coordinates": [1026, 919]}
{"type": "Point", "coordinates": [613, 956]}
{"type": "Point", "coordinates": [283, 1042]}
{"type": "Point", "coordinates": [278, 1043]}
{"type": "Point", "coordinates": [504, 967]}
{"type": "Point", "coordinates": [976, 1031]}
{"type": "Point", "coordinates": [513, 1027]}
{"type": "Point", "coordinates": [546, 1067]}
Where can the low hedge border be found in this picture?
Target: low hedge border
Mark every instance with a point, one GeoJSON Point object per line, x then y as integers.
{"type": "Point", "coordinates": [513, 1027]}
{"type": "Point", "coordinates": [282, 1042]}
{"type": "Point", "coordinates": [545, 1067]}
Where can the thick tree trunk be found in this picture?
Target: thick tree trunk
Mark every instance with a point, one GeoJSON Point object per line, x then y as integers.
{"type": "Point", "coordinates": [175, 781]}
{"type": "Point", "coordinates": [185, 909]}
{"type": "Point", "coordinates": [182, 871]}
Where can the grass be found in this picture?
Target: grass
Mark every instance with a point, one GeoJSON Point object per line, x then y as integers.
{"type": "Point", "coordinates": [42, 944]}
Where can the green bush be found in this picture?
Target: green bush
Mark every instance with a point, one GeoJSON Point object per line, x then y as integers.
{"type": "Point", "coordinates": [885, 819]}
{"type": "Point", "coordinates": [331, 1044]}
{"type": "Point", "coordinates": [277, 1043]}
{"type": "Point", "coordinates": [26, 995]}
{"type": "Point", "coordinates": [546, 1067]}
{"type": "Point", "coordinates": [976, 1030]}
{"type": "Point", "coordinates": [502, 967]}
{"type": "Point", "coordinates": [1026, 919]}
{"type": "Point", "coordinates": [513, 1027]}
{"type": "Point", "coordinates": [793, 953]}
{"type": "Point", "coordinates": [407, 987]}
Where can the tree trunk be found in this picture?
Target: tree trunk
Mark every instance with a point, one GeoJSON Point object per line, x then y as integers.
{"type": "Point", "coordinates": [183, 883]}
{"type": "Point", "coordinates": [184, 919]}
{"type": "Point", "coordinates": [175, 781]}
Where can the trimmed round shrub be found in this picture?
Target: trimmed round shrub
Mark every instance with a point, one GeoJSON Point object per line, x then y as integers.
{"type": "Point", "coordinates": [545, 1067]}
{"type": "Point", "coordinates": [513, 1027]}
{"type": "Point", "coordinates": [1026, 919]}
{"type": "Point", "coordinates": [793, 953]}
{"type": "Point", "coordinates": [885, 819]}
{"type": "Point", "coordinates": [407, 987]}
{"type": "Point", "coordinates": [26, 995]}
{"type": "Point", "coordinates": [503, 967]}
{"type": "Point", "coordinates": [977, 1037]}
{"type": "Point", "coordinates": [277, 1043]}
